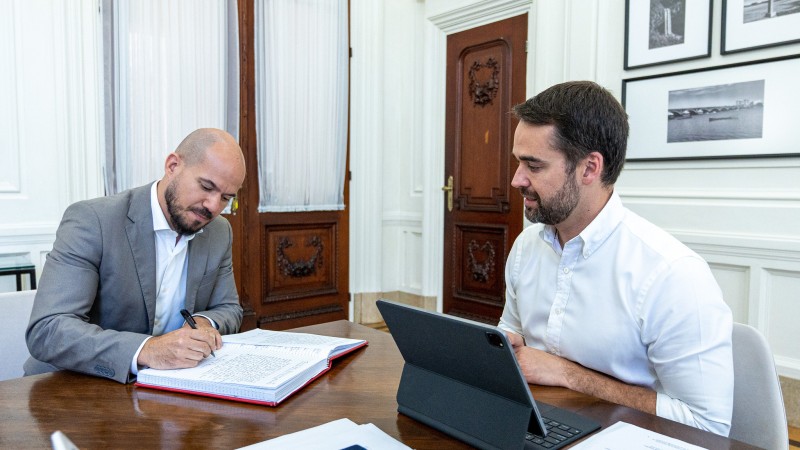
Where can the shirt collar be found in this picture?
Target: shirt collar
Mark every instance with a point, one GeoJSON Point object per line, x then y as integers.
{"type": "Point", "coordinates": [593, 236]}
{"type": "Point", "coordinates": [159, 220]}
{"type": "Point", "coordinates": [603, 225]}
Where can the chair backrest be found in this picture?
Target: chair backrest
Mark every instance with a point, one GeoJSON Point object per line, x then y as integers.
{"type": "Point", "coordinates": [15, 313]}
{"type": "Point", "coordinates": [759, 415]}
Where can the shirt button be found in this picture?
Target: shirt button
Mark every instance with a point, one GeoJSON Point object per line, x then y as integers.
{"type": "Point", "coordinates": [566, 269]}
{"type": "Point", "coordinates": [559, 311]}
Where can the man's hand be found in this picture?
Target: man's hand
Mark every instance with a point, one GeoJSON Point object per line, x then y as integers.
{"type": "Point", "coordinates": [537, 366]}
{"type": "Point", "coordinates": [540, 367]}
{"type": "Point", "coordinates": [516, 340]}
{"type": "Point", "coordinates": [181, 348]}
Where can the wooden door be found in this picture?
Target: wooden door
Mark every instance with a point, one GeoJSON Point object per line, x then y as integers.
{"type": "Point", "coordinates": [291, 269]}
{"type": "Point", "coordinates": [485, 79]}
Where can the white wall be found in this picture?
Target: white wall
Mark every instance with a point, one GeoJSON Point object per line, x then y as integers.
{"type": "Point", "coordinates": [741, 215]}
{"type": "Point", "coordinates": [402, 150]}
{"type": "Point", "coordinates": [50, 120]}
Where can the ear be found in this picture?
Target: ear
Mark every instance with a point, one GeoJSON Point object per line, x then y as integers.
{"type": "Point", "coordinates": [171, 164]}
{"type": "Point", "coordinates": [592, 166]}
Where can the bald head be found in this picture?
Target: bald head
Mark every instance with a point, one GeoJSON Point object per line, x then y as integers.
{"type": "Point", "coordinates": [200, 178]}
{"type": "Point", "coordinates": [194, 147]}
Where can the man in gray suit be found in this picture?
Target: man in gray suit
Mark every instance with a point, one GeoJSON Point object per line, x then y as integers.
{"type": "Point", "coordinates": [122, 268]}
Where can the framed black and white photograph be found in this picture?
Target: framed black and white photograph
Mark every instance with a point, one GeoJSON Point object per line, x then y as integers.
{"type": "Point", "coordinates": [665, 31]}
{"type": "Point", "coordinates": [754, 24]}
{"type": "Point", "coordinates": [739, 110]}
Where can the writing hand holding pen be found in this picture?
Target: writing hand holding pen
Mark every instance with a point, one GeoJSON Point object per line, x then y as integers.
{"type": "Point", "coordinates": [181, 348]}
{"type": "Point", "coordinates": [190, 320]}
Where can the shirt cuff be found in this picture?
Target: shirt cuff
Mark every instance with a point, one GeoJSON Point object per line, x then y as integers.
{"type": "Point", "coordinates": [209, 319]}
{"type": "Point", "coordinates": [134, 364]}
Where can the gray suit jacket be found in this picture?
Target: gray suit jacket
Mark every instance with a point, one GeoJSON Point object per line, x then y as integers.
{"type": "Point", "coordinates": [97, 294]}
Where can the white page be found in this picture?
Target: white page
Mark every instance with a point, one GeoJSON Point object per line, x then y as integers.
{"type": "Point", "coordinates": [631, 437]}
{"type": "Point", "coordinates": [335, 435]}
{"type": "Point", "coordinates": [287, 339]}
{"type": "Point", "coordinates": [247, 365]}
{"type": "Point", "coordinates": [60, 441]}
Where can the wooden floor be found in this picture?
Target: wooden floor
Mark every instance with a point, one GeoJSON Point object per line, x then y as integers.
{"type": "Point", "coordinates": [794, 432]}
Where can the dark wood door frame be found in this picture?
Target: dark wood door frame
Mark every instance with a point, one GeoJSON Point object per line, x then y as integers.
{"type": "Point", "coordinates": [485, 78]}
{"type": "Point", "coordinates": [247, 141]}
{"type": "Point", "coordinates": [289, 272]}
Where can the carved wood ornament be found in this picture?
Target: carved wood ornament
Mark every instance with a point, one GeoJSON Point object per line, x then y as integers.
{"type": "Point", "coordinates": [482, 93]}
{"type": "Point", "coordinates": [299, 268]}
{"type": "Point", "coordinates": [481, 272]}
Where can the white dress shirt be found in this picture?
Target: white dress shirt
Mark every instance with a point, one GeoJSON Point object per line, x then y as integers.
{"type": "Point", "coordinates": [171, 268]}
{"type": "Point", "coordinates": [627, 299]}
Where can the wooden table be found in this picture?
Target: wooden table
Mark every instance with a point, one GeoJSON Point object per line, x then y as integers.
{"type": "Point", "coordinates": [100, 413]}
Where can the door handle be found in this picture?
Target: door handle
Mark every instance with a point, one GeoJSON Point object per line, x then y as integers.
{"type": "Point", "coordinates": [449, 190]}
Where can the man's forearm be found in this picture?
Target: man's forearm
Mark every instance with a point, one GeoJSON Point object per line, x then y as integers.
{"type": "Point", "coordinates": [596, 384]}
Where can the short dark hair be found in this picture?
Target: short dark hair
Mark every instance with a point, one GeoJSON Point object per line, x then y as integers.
{"type": "Point", "coordinates": [586, 118]}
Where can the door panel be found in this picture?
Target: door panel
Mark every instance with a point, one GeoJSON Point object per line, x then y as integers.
{"type": "Point", "coordinates": [485, 78]}
{"type": "Point", "coordinates": [303, 270]}
{"type": "Point", "coordinates": [481, 259]}
{"type": "Point", "coordinates": [291, 269]}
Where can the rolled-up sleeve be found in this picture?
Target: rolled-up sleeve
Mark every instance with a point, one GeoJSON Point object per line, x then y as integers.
{"type": "Point", "coordinates": [687, 328]}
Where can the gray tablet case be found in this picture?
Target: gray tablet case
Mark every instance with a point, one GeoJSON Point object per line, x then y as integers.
{"type": "Point", "coordinates": [462, 378]}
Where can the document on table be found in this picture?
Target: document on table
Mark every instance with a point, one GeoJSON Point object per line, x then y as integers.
{"type": "Point", "coordinates": [627, 436]}
{"type": "Point", "coordinates": [257, 366]}
{"type": "Point", "coordinates": [342, 434]}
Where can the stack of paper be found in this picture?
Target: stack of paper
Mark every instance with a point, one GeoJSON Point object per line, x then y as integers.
{"type": "Point", "coordinates": [627, 436]}
{"type": "Point", "coordinates": [337, 435]}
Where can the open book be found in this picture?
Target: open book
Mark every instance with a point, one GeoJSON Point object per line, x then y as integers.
{"type": "Point", "coordinates": [257, 366]}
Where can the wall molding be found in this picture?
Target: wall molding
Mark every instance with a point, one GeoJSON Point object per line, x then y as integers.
{"type": "Point", "coordinates": [79, 76]}
{"type": "Point", "coordinates": [411, 279]}
{"type": "Point", "coordinates": [366, 137]}
{"type": "Point", "coordinates": [706, 164]}
{"type": "Point", "coordinates": [403, 219]}
{"type": "Point", "coordinates": [433, 126]}
{"type": "Point", "coordinates": [777, 195]}
{"type": "Point", "coordinates": [751, 246]}
{"type": "Point", "coordinates": [34, 245]}
{"type": "Point", "coordinates": [27, 232]}
{"type": "Point", "coordinates": [478, 13]}
{"type": "Point", "coordinates": [11, 174]}
{"type": "Point", "coordinates": [788, 367]}
{"type": "Point", "coordinates": [761, 260]}
{"type": "Point", "coordinates": [52, 128]}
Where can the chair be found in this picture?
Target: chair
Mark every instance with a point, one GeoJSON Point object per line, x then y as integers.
{"type": "Point", "coordinates": [759, 415]}
{"type": "Point", "coordinates": [15, 312]}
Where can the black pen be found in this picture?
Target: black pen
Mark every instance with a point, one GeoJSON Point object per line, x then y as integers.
{"type": "Point", "coordinates": [193, 324]}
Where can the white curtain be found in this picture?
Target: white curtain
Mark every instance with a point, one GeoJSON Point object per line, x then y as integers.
{"type": "Point", "coordinates": [301, 56]}
{"type": "Point", "coordinates": [172, 67]}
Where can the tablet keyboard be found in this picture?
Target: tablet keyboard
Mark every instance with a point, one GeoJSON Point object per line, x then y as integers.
{"type": "Point", "coordinates": [558, 435]}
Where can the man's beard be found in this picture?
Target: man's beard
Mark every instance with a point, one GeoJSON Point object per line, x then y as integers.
{"type": "Point", "coordinates": [178, 222]}
{"type": "Point", "coordinates": [556, 209]}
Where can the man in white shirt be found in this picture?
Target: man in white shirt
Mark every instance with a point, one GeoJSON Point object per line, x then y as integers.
{"type": "Point", "coordinates": [122, 268]}
{"type": "Point", "coordinates": [598, 299]}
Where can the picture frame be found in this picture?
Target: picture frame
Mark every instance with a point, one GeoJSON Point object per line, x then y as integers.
{"type": "Point", "coordinates": [666, 31]}
{"type": "Point", "coordinates": [748, 25]}
{"type": "Point", "coordinates": [734, 111]}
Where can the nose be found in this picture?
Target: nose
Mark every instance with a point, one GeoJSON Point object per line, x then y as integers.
{"type": "Point", "coordinates": [214, 203]}
{"type": "Point", "coordinates": [519, 180]}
